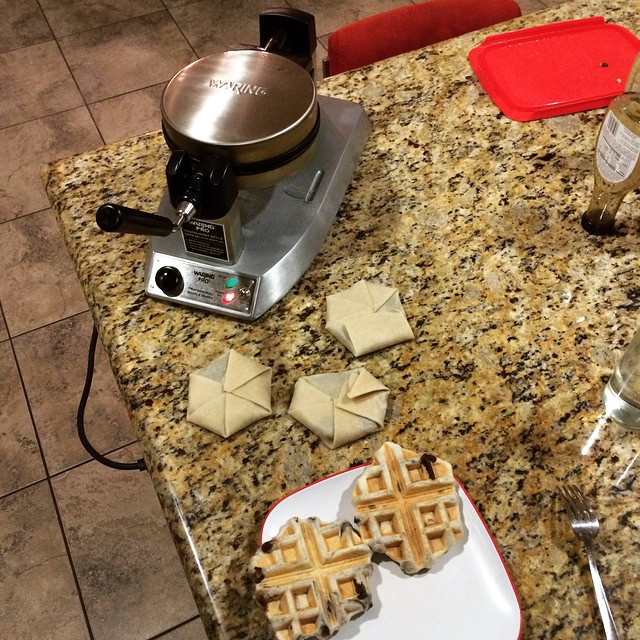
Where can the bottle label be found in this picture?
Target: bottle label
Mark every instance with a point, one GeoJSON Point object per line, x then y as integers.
{"type": "Point", "coordinates": [617, 151]}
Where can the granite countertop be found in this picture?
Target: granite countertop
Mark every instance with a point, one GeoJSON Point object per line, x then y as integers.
{"type": "Point", "coordinates": [519, 317]}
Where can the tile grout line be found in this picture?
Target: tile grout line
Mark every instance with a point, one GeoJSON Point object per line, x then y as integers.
{"type": "Point", "coordinates": [195, 53]}
{"type": "Point", "coordinates": [54, 501]}
{"type": "Point", "coordinates": [164, 633]}
{"type": "Point", "coordinates": [75, 82]}
{"type": "Point", "coordinates": [52, 322]}
{"type": "Point", "coordinates": [24, 388]}
{"type": "Point", "coordinates": [72, 565]}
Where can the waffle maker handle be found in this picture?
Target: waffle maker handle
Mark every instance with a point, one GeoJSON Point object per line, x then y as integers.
{"type": "Point", "coordinates": [119, 219]}
{"type": "Point", "coordinates": [205, 189]}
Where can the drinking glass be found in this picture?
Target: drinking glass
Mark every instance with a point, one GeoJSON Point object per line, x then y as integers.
{"type": "Point", "coordinates": [622, 393]}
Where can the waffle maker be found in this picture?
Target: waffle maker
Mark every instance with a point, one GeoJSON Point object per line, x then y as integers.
{"type": "Point", "coordinates": [259, 167]}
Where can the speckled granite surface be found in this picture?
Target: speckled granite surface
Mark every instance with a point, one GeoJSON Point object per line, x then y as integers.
{"type": "Point", "coordinates": [519, 317]}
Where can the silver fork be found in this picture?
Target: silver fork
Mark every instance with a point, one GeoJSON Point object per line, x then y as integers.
{"type": "Point", "coordinates": [586, 526]}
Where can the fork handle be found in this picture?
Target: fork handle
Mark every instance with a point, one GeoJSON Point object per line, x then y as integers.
{"type": "Point", "coordinates": [603, 603]}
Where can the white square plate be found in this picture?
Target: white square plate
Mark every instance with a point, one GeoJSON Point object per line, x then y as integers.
{"type": "Point", "coordinates": [467, 594]}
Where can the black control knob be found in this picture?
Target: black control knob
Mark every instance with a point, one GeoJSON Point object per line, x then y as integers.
{"type": "Point", "coordinates": [170, 281]}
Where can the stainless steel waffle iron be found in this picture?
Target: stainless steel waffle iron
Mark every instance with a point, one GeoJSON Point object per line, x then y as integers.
{"type": "Point", "coordinates": [259, 167]}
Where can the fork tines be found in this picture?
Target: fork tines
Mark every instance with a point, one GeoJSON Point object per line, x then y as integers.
{"type": "Point", "coordinates": [574, 501]}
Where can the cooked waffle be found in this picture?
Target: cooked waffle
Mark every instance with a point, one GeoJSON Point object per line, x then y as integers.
{"type": "Point", "coordinates": [312, 578]}
{"type": "Point", "coordinates": [407, 507]}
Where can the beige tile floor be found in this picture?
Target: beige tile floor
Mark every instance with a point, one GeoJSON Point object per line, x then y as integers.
{"type": "Point", "coordinates": [84, 550]}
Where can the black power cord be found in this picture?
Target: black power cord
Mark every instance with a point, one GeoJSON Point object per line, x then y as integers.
{"type": "Point", "coordinates": [139, 465]}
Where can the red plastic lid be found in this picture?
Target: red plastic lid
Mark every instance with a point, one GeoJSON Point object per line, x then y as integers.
{"type": "Point", "coordinates": [555, 69]}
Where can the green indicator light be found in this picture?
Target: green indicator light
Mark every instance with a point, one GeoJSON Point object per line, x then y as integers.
{"type": "Point", "coordinates": [231, 282]}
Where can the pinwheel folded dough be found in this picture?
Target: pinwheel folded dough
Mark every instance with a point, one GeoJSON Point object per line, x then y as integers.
{"type": "Point", "coordinates": [340, 407]}
{"type": "Point", "coordinates": [367, 317]}
{"type": "Point", "coordinates": [229, 394]}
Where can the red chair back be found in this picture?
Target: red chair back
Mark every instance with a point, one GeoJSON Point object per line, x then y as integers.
{"type": "Point", "coordinates": [412, 27]}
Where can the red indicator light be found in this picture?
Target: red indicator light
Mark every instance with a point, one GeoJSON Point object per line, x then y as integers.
{"type": "Point", "coordinates": [228, 297]}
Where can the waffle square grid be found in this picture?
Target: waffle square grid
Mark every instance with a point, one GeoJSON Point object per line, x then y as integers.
{"type": "Point", "coordinates": [312, 578]}
{"type": "Point", "coordinates": [407, 507]}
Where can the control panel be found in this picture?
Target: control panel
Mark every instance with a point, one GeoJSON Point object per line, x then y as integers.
{"type": "Point", "coordinates": [200, 285]}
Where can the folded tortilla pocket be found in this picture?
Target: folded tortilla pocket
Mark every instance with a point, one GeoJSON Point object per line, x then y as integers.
{"type": "Point", "coordinates": [367, 317]}
{"type": "Point", "coordinates": [340, 407]}
{"type": "Point", "coordinates": [229, 394]}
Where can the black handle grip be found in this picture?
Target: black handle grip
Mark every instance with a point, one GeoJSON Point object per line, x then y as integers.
{"type": "Point", "coordinates": [291, 33]}
{"type": "Point", "coordinates": [289, 30]}
{"type": "Point", "coordinates": [115, 217]}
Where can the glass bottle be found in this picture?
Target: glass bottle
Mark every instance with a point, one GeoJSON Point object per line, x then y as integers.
{"type": "Point", "coordinates": [617, 163]}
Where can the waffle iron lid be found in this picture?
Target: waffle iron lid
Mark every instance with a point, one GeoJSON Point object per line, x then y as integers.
{"type": "Point", "coordinates": [246, 102]}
